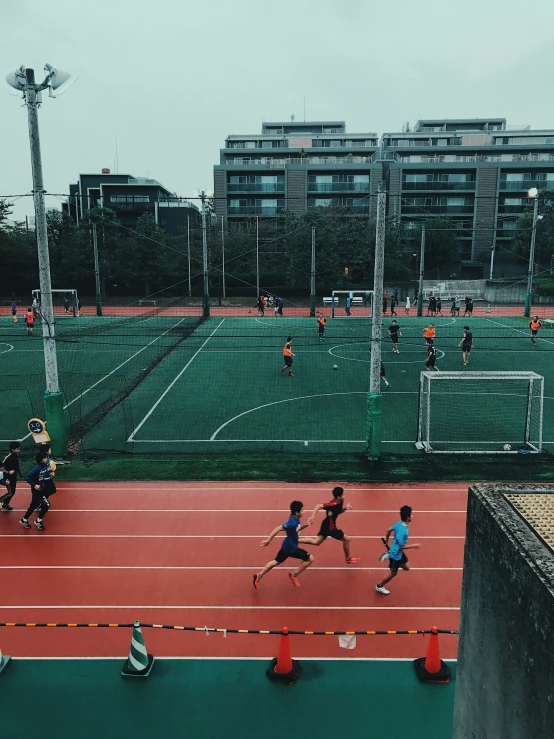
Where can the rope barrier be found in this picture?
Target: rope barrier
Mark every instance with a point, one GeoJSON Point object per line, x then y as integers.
{"type": "Point", "coordinates": [207, 630]}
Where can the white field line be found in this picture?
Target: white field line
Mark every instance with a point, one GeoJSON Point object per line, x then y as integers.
{"type": "Point", "coordinates": [226, 488]}
{"type": "Point", "coordinates": [112, 607]}
{"type": "Point", "coordinates": [188, 536]}
{"type": "Point", "coordinates": [520, 331]}
{"type": "Point", "coordinates": [168, 388]}
{"type": "Point", "coordinates": [236, 659]}
{"type": "Point", "coordinates": [279, 511]}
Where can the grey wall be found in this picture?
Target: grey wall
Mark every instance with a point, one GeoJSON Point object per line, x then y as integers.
{"type": "Point", "coordinates": [505, 674]}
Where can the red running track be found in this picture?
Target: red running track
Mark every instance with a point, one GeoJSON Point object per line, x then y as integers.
{"type": "Point", "coordinates": [185, 553]}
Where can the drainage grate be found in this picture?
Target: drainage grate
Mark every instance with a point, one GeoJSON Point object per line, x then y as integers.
{"type": "Point", "coordinates": [537, 510]}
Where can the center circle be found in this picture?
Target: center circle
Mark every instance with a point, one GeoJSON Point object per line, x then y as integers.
{"type": "Point", "coordinates": [440, 355]}
{"type": "Point", "coordinates": [4, 343]}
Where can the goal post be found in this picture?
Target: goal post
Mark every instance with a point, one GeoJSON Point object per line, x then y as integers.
{"type": "Point", "coordinates": [58, 301]}
{"type": "Point", "coordinates": [335, 295]}
{"type": "Point", "coordinates": [480, 412]}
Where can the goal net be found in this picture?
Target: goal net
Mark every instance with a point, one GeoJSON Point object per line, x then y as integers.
{"type": "Point", "coordinates": [65, 302]}
{"type": "Point", "coordinates": [480, 412]}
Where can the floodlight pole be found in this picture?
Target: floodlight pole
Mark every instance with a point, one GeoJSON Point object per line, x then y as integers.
{"type": "Point", "coordinates": [96, 271]}
{"type": "Point", "coordinates": [257, 257]}
{"type": "Point", "coordinates": [223, 254]}
{"type": "Point", "coordinates": [421, 271]}
{"type": "Point", "coordinates": [188, 251]}
{"type": "Point", "coordinates": [206, 306]}
{"type": "Point", "coordinates": [312, 285]}
{"type": "Point", "coordinates": [374, 399]}
{"type": "Point", "coordinates": [53, 398]}
{"type": "Point", "coordinates": [529, 296]}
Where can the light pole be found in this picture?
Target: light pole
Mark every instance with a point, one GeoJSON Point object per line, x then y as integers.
{"type": "Point", "coordinates": [257, 257]}
{"type": "Point", "coordinates": [421, 271]}
{"type": "Point", "coordinates": [96, 271]}
{"type": "Point", "coordinates": [23, 80]}
{"type": "Point", "coordinates": [206, 309]}
{"type": "Point", "coordinates": [312, 280]}
{"type": "Point", "coordinates": [533, 193]}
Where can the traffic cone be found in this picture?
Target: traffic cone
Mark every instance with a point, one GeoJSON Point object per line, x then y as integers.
{"type": "Point", "coordinates": [140, 662]}
{"type": "Point", "coordinates": [431, 668]}
{"type": "Point", "coordinates": [4, 661]}
{"type": "Point", "coordinates": [283, 667]}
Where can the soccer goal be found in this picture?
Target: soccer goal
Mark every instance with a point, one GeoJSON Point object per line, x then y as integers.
{"type": "Point", "coordinates": [64, 302]}
{"type": "Point", "coordinates": [480, 412]}
{"type": "Point", "coordinates": [359, 299]}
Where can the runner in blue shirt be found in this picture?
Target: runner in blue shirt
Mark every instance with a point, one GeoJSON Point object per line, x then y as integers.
{"type": "Point", "coordinates": [395, 554]}
{"type": "Point", "coordinates": [289, 548]}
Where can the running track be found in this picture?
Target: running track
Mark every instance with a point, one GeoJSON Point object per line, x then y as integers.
{"type": "Point", "coordinates": [185, 553]}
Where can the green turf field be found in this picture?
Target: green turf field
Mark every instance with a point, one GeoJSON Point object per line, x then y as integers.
{"type": "Point", "coordinates": [222, 699]}
{"type": "Point", "coordinates": [216, 387]}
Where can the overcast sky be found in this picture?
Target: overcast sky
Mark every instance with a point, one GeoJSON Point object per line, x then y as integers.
{"type": "Point", "coordinates": [170, 79]}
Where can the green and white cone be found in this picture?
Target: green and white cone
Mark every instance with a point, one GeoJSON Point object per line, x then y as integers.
{"type": "Point", "coordinates": [140, 662]}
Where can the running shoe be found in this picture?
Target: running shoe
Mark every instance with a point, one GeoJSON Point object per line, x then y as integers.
{"type": "Point", "coordinates": [290, 374]}
{"type": "Point", "coordinates": [40, 526]}
{"type": "Point", "coordinates": [6, 507]}
{"type": "Point", "coordinates": [352, 560]}
{"type": "Point", "coordinates": [25, 523]}
{"type": "Point", "coordinates": [256, 581]}
{"type": "Point", "coordinates": [382, 590]}
{"type": "Point", "coordinates": [294, 580]}
{"type": "Point", "coordinates": [282, 372]}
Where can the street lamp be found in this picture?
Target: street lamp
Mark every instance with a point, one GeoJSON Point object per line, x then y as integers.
{"type": "Point", "coordinates": [532, 193]}
{"type": "Point", "coordinates": [23, 80]}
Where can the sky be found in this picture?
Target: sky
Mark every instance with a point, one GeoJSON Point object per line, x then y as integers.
{"type": "Point", "coordinates": [169, 80]}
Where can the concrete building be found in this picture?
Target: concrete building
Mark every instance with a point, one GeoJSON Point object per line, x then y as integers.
{"type": "Point", "coordinates": [130, 197]}
{"type": "Point", "coordinates": [475, 172]}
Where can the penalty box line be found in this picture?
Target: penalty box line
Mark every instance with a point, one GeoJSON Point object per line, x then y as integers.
{"type": "Point", "coordinates": [168, 388]}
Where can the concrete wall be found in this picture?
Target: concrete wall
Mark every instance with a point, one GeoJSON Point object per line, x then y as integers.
{"type": "Point", "coordinates": [505, 676]}
{"type": "Point", "coordinates": [505, 292]}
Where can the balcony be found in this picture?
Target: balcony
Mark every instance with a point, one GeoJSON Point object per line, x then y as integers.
{"type": "Point", "coordinates": [515, 209]}
{"type": "Point", "coordinates": [439, 185]}
{"type": "Point", "coordinates": [256, 187]}
{"type": "Point", "coordinates": [281, 162]}
{"type": "Point", "coordinates": [444, 210]}
{"type": "Point", "coordinates": [526, 184]}
{"type": "Point", "coordinates": [255, 210]}
{"type": "Point", "coordinates": [338, 186]}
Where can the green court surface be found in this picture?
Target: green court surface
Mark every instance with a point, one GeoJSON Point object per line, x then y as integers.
{"type": "Point", "coordinates": [221, 699]}
{"type": "Point", "coordinates": [170, 385]}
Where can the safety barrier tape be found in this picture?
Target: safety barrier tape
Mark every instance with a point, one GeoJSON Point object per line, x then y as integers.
{"type": "Point", "coordinates": [209, 630]}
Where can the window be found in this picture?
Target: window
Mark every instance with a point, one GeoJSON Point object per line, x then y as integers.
{"type": "Point", "coordinates": [237, 179]}
{"type": "Point", "coordinates": [335, 143]}
{"type": "Point", "coordinates": [455, 201]}
{"type": "Point", "coordinates": [513, 201]}
{"type": "Point", "coordinates": [130, 198]}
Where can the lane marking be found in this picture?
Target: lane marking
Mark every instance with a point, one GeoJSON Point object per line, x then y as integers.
{"type": "Point", "coordinates": [185, 536]}
{"type": "Point", "coordinates": [231, 608]}
{"type": "Point", "coordinates": [187, 567]}
{"type": "Point", "coordinates": [519, 331]}
{"type": "Point", "coordinates": [168, 388]}
{"type": "Point", "coordinates": [236, 658]}
{"type": "Point", "coordinates": [225, 487]}
{"type": "Point", "coordinates": [282, 511]}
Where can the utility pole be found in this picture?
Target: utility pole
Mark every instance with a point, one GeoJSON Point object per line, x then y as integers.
{"type": "Point", "coordinates": [23, 80]}
{"type": "Point", "coordinates": [188, 252]}
{"type": "Point", "coordinates": [223, 253]}
{"type": "Point", "coordinates": [374, 400]}
{"type": "Point", "coordinates": [529, 296]}
{"type": "Point", "coordinates": [257, 257]}
{"type": "Point", "coordinates": [96, 271]}
{"type": "Point", "coordinates": [312, 284]}
{"type": "Point", "coordinates": [206, 306]}
{"type": "Point", "coordinates": [421, 271]}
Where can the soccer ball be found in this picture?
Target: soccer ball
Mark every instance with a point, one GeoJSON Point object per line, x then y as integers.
{"type": "Point", "coordinates": [507, 447]}
{"type": "Point", "coordinates": [335, 366]}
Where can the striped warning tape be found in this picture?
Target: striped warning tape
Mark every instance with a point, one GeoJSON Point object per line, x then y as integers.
{"type": "Point", "coordinates": [209, 630]}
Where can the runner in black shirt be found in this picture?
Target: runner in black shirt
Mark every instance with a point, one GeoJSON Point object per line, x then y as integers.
{"type": "Point", "coordinates": [466, 343]}
{"type": "Point", "coordinates": [394, 331]}
{"type": "Point", "coordinates": [333, 509]}
{"type": "Point", "coordinates": [11, 469]}
{"type": "Point", "coordinates": [431, 357]}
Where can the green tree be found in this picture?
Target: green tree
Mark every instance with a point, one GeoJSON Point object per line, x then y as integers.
{"type": "Point", "coordinates": [544, 240]}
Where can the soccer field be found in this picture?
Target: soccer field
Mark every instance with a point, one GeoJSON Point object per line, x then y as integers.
{"type": "Point", "coordinates": [170, 384]}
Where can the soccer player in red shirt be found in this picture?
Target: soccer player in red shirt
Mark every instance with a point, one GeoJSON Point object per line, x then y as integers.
{"type": "Point", "coordinates": [333, 509]}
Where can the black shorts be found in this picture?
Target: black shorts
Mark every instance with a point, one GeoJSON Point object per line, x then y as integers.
{"type": "Point", "coordinates": [534, 333]}
{"type": "Point", "coordinates": [333, 533]}
{"type": "Point", "coordinates": [395, 564]}
{"type": "Point", "coordinates": [288, 361]}
{"type": "Point", "coordinates": [394, 338]}
{"type": "Point", "coordinates": [466, 348]}
{"type": "Point", "coordinates": [430, 363]}
{"type": "Point", "coordinates": [297, 554]}
{"type": "Point", "coordinates": [321, 330]}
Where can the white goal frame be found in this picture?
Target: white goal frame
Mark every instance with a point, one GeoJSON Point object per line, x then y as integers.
{"type": "Point", "coordinates": [424, 422]}
{"type": "Point", "coordinates": [351, 293]}
{"type": "Point", "coordinates": [73, 311]}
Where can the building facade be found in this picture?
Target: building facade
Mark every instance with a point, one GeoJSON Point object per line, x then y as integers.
{"type": "Point", "coordinates": [130, 197]}
{"type": "Point", "coordinates": [474, 172]}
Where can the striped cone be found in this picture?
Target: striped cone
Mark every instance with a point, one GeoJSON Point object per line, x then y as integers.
{"type": "Point", "coordinates": [139, 663]}
{"type": "Point", "coordinates": [4, 661]}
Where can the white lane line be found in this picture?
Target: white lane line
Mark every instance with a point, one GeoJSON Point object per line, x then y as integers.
{"type": "Point", "coordinates": [520, 331]}
{"type": "Point", "coordinates": [185, 536]}
{"type": "Point", "coordinates": [229, 608]}
{"type": "Point", "coordinates": [281, 511]}
{"type": "Point", "coordinates": [241, 659]}
{"type": "Point", "coordinates": [168, 388]}
{"type": "Point", "coordinates": [217, 569]}
{"type": "Point", "coordinates": [180, 487]}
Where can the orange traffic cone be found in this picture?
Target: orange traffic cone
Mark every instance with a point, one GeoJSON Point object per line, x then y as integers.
{"type": "Point", "coordinates": [283, 667]}
{"type": "Point", "coordinates": [431, 668]}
